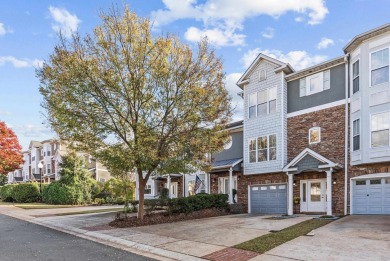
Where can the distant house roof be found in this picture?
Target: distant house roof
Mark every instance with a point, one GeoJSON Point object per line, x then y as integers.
{"type": "Point", "coordinates": [35, 144]}
{"type": "Point", "coordinates": [351, 45]}
{"type": "Point", "coordinates": [18, 179]}
{"type": "Point", "coordinates": [226, 164]}
{"type": "Point", "coordinates": [235, 124]}
{"type": "Point", "coordinates": [36, 176]}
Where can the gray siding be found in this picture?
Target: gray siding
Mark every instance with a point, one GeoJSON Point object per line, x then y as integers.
{"type": "Point", "coordinates": [307, 163]}
{"type": "Point", "coordinates": [335, 93]}
{"type": "Point", "coordinates": [235, 151]}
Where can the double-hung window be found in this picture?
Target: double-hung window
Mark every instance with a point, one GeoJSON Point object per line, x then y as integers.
{"type": "Point", "coordinates": [356, 135]}
{"type": "Point", "coordinates": [252, 150]}
{"type": "Point", "coordinates": [314, 83]}
{"type": "Point", "coordinates": [48, 169]}
{"type": "Point", "coordinates": [380, 67]}
{"type": "Point", "coordinates": [272, 100]}
{"type": "Point", "coordinates": [252, 105]}
{"type": "Point", "coordinates": [262, 103]}
{"type": "Point", "coordinates": [355, 77]}
{"type": "Point", "coordinates": [262, 146]}
{"type": "Point", "coordinates": [380, 129]}
{"type": "Point", "coordinates": [148, 189]}
{"type": "Point", "coordinates": [272, 147]}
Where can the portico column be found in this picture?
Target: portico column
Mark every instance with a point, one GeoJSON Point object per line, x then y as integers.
{"type": "Point", "coordinates": [169, 186]}
{"type": "Point", "coordinates": [329, 192]}
{"type": "Point", "coordinates": [231, 186]}
{"type": "Point", "coordinates": [290, 194]}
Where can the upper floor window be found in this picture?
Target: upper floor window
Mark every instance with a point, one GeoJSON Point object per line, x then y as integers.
{"type": "Point", "coordinates": [356, 135]}
{"type": "Point", "coordinates": [262, 75]}
{"type": "Point", "coordinates": [48, 169]}
{"type": "Point", "coordinates": [33, 158]}
{"type": "Point", "coordinates": [314, 135]}
{"type": "Point", "coordinates": [380, 129]}
{"type": "Point", "coordinates": [262, 149]}
{"type": "Point", "coordinates": [314, 83]}
{"type": "Point", "coordinates": [148, 189]}
{"type": "Point", "coordinates": [355, 77]}
{"type": "Point", "coordinates": [265, 101]}
{"type": "Point", "coordinates": [380, 67]}
{"type": "Point", "coordinates": [252, 105]}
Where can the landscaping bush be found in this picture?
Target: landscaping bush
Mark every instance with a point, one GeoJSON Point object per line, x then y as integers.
{"type": "Point", "coordinates": [6, 193]}
{"type": "Point", "coordinates": [188, 204]}
{"type": "Point", "coordinates": [59, 193]}
{"type": "Point", "coordinates": [26, 193]}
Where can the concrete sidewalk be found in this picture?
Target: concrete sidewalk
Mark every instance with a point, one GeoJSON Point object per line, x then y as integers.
{"type": "Point", "coordinates": [187, 240]}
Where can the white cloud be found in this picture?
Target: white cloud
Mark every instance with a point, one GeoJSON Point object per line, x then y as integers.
{"type": "Point", "coordinates": [237, 102]}
{"type": "Point", "coordinates": [5, 113]}
{"type": "Point", "coordinates": [20, 63]}
{"type": "Point", "coordinates": [64, 22]}
{"type": "Point", "coordinates": [215, 36]}
{"type": "Point", "coordinates": [268, 33]}
{"type": "Point", "coordinates": [31, 130]}
{"type": "Point", "coordinates": [298, 59]}
{"type": "Point", "coordinates": [4, 30]}
{"type": "Point", "coordinates": [229, 15]}
{"type": "Point", "coordinates": [325, 43]}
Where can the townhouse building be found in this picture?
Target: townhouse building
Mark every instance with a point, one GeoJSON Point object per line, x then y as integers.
{"type": "Point", "coordinates": [311, 141]}
{"type": "Point", "coordinates": [42, 161]}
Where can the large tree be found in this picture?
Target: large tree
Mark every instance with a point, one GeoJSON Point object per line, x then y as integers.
{"type": "Point", "coordinates": [135, 100]}
{"type": "Point", "coordinates": [10, 150]}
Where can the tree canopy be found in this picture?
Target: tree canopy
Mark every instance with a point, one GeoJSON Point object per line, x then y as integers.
{"type": "Point", "coordinates": [134, 100]}
{"type": "Point", "coordinates": [10, 150]}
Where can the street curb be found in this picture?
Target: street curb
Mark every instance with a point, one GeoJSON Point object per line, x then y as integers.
{"type": "Point", "coordinates": [127, 245]}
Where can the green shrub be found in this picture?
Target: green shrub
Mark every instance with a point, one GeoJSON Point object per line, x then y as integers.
{"type": "Point", "coordinates": [6, 193]}
{"type": "Point", "coordinates": [188, 204]}
{"type": "Point", "coordinates": [26, 193]}
{"type": "Point", "coordinates": [59, 193]}
{"type": "Point", "coordinates": [99, 201]}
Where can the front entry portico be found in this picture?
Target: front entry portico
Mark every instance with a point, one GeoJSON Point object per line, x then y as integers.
{"type": "Point", "coordinates": [315, 195]}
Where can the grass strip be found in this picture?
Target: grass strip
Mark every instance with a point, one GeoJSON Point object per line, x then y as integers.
{"type": "Point", "coordinates": [43, 206]}
{"type": "Point", "coordinates": [267, 242]}
{"type": "Point", "coordinates": [90, 211]}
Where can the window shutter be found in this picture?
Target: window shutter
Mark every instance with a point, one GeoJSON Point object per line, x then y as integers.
{"type": "Point", "coordinates": [302, 87]}
{"type": "Point", "coordinates": [327, 80]}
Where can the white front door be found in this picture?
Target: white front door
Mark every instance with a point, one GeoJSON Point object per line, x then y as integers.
{"type": "Point", "coordinates": [313, 195]}
{"type": "Point", "coordinates": [173, 190]}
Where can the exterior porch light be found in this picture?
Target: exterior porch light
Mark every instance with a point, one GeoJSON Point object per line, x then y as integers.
{"type": "Point", "coordinates": [334, 181]}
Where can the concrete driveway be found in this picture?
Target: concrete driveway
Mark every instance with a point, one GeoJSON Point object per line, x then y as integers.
{"type": "Point", "coordinates": [350, 238]}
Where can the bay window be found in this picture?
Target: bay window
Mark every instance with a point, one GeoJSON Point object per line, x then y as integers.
{"type": "Point", "coordinates": [355, 77]}
{"type": "Point", "coordinates": [356, 135]}
{"type": "Point", "coordinates": [380, 67]}
{"type": "Point", "coordinates": [380, 129]}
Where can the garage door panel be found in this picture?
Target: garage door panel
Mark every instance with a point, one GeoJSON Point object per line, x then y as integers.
{"type": "Point", "coordinates": [269, 199]}
{"type": "Point", "coordinates": [371, 198]}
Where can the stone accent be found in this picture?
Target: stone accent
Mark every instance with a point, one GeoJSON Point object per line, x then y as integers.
{"type": "Point", "coordinates": [237, 208]}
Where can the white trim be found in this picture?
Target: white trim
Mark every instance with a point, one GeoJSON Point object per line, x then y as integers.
{"type": "Point", "coordinates": [370, 71]}
{"type": "Point", "coordinates": [370, 176]}
{"type": "Point", "coordinates": [388, 121]}
{"type": "Point", "coordinates": [312, 153]}
{"type": "Point", "coordinates": [319, 75]}
{"type": "Point", "coordinates": [319, 135]}
{"type": "Point", "coordinates": [282, 112]}
{"type": "Point", "coordinates": [316, 108]}
{"type": "Point", "coordinates": [249, 199]}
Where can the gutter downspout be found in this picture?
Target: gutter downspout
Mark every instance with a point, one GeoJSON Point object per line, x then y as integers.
{"type": "Point", "coordinates": [346, 59]}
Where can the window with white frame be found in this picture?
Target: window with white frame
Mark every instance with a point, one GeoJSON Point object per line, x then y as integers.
{"type": "Point", "coordinates": [380, 67]}
{"type": "Point", "coordinates": [314, 135]}
{"type": "Point", "coordinates": [252, 105]}
{"type": "Point", "coordinates": [355, 77]}
{"type": "Point", "coordinates": [262, 149]}
{"type": "Point", "coordinates": [272, 100]}
{"type": "Point", "coordinates": [223, 184]}
{"type": "Point", "coordinates": [48, 169]}
{"type": "Point", "coordinates": [202, 187]}
{"type": "Point", "coordinates": [148, 189]}
{"type": "Point", "coordinates": [252, 150]}
{"type": "Point", "coordinates": [356, 135]}
{"type": "Point", "coordinates": [380, 129]}
{"type": "Point", "coordinates": [262, 103]}
{"type": "Point", "coordinates": [314, 83]}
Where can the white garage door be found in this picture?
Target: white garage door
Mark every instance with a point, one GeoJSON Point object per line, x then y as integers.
{"type": "Point", "coordinates": [371, 196]}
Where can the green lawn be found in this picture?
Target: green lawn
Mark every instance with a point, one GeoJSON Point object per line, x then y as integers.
{"type": "Point", "coordinates": [35, 205]}
{"type": "Point", "coordinates": [90, 211]}
{"type": "Point", "coordinates": [267, 242]}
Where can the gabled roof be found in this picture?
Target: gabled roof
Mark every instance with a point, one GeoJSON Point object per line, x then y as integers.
{"type": "Point", "coordinates": [351, 45]}
{"type": "Point", "coordinates": [326, 162]}
{"type": "Point", "coordinates": [34, 144]}
{"type": "Point", "coordinates": [281, 67]}
{"type": "Point", "coordinates": [229, 163]}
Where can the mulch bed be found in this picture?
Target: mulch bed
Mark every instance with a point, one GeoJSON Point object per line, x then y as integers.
{"type": "Point", "coordinates": [160, 218]}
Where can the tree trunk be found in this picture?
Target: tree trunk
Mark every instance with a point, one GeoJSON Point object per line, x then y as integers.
{"type": "Point", "coordinates": [141, 197]}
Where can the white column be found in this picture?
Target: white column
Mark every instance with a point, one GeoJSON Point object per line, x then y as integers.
{"type": "Point", "coordinates": [136, 187]}
{"type": "Point", "coordinates": [169, 186]}
{"type": "Point", "coordinates": [290, 194]}
{"type": "Point", "coordinates": [329, 192]}
{"type": "Point", "coordinates": [231, 186]}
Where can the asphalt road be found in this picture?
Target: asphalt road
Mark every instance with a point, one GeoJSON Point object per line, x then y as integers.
{"type": "Point", "coordinates": [21, 240]}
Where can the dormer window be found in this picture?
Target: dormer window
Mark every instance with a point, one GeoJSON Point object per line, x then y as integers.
{"type": "Point", "coordinates": [262, 75]}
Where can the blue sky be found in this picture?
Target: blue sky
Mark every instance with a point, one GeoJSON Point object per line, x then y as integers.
{"type": "Point", "coordinates": [301, 32]}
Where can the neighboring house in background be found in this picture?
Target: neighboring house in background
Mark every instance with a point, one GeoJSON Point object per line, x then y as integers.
{"type": "Point", "coordinates": [49, 153]}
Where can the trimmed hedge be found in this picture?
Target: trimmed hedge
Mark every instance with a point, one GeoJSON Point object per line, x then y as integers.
{"type": "Point", "coordinates": [26, 193]}
{"type": "Point", "coordinates": [189, 204]}
{"type": "Point", "coordinates": [6, 192]}
{"type": "Point", "coordinates": [59, 193]}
